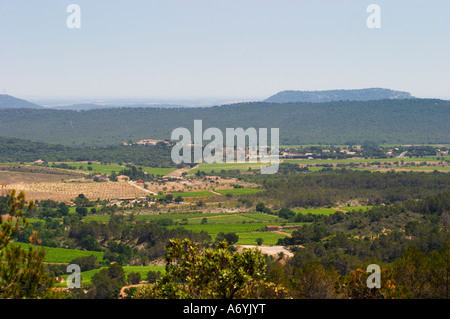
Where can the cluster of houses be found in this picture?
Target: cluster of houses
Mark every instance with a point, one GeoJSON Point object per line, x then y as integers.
{"type": "Point", "coordinates": [148, 142]}
{"type": "Point", "coordinates": [309, 155]}
{"type": "Point", "coordinates": [104, 178]}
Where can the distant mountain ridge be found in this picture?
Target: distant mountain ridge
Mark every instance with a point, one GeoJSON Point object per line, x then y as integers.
{"type": "Point", "coordinates": [369, 94]}
{"type": "Point", "coordinates": [387, 121]}
{"type": "Point", "coordinates": [92, 106]}
{"type": "Point", "coordinates": [11, 102]}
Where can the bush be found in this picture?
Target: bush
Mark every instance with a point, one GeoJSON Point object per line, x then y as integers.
{"type": "Point", "coordinates": [86, 263]}
{"type": "Point", "coordinates": [134, 278]}
{"type": "Point", "coordinates": [153, 276]}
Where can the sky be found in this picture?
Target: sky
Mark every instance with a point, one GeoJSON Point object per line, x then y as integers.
{"type": "Point", "coordinates": [225, 49]}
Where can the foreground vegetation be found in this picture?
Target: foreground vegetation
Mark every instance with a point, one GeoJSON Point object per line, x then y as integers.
{"type": "Point", "coordinates": [333, 223]}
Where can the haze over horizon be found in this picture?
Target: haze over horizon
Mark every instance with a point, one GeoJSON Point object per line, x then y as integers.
{"type": "Point", "coordinates": [207, 51]}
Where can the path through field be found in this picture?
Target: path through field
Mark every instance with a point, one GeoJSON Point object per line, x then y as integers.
{"type": "Point", "coordinates": [282, 233]}
{"type": "Point", "coordinates": [132, 183]}
{"type": "Point", "coordinates": [179, 172]}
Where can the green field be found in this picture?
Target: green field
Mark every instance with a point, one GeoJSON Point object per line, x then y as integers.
{"type": "Point", "coordinates": [316, 211]}
{"type": "Point", "coordinates": [217, 167]}
{"type": "Point", "coordinates": [311, 145]}
{"type": "Point", "coordinates": [155, 217]}
{"type": "Point", "coordinates": [193, 194]}
{"type": "Point", "coordinates": [427, 168]}
{"type": "Point", "coordinates": [196, 218]}
{"type": "Point", "coordinates": [187, 194]}
{"type": "Point", "coordinates": [86, 276]}
{"type": "Point", "coordinates": [214, 229]}
{"type": "Point", "coordinates": [225, 228]}
{"type": "Point", "coordinates": [355, 208]}
{"type": "Point", "coordinates": [63, 255]}
{"type": "Point", "coordinates": [158, 170]}
{"type": "Point", "coordinates": [362, 160]}
{"type": "Point", "coordinates": [257, 216]}
{"type": "Point", "coordinates": [232, 218]}
{"type": "Point", "coordinates": [330, 211]}
{"type": "Point", "coordinates": [269, 238]}
{"type": "Point", "coordinates": [238, 191]}
{"type": "Point", "coordinates": [248, 225]}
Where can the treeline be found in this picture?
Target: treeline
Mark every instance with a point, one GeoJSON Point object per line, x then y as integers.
{"type": "Point", "coordinates": [412, 121]}
{"type": "Point", "coordinates": [411, 241]}
{"type": "Point", "coordinates": [15, 150]}
{"type": "Point", "coordinates": [337, 187]}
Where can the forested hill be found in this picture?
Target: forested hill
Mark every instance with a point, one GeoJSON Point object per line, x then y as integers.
{"type": "Point", "coordinates": [407, 121]}
{"type": "Point", "coordinates": [337, 95]}
{"type": "Point", "coordinates": [16, 150]}
{"type": "Point", "coordinates": [8, 101]}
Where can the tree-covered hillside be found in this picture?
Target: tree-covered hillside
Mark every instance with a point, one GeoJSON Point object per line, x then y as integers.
{"type": "Point", "coordinates": [291, 96]}
{"type": "Point", "coordinates": [407, 121]}
{"type": "Point", "coordinates": [8, 101]}
{"type": "Point", "coordinates": [17, 150]}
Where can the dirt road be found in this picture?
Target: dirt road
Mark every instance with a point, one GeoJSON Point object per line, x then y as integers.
{"type": "Point", "coordinates": [269, 250]}
{"type": "Point", "coordinates": [179, 172]}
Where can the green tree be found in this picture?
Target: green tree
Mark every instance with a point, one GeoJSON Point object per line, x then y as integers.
{"type": "Point", "coordinates": [319, 231]}
{"type": "Point", "coordinates": [153, 276]}
{"type": "Point", "coordinates": [107, 283]}
{"type": "Point", "coordinates": [439, 265]}
{"type": "Point", "coordinates": [230, 238]}
{"type": "Point", "coordinates": [411, 271]}
{"type": "Point", "coordinates": [22, 273]}
{"type": "Point", "coordinates": [90, 243]}
{"type": "Point", "coordinates": [286, 213]}
{"type": "Point", "coordinates": [82, 211]}
{"type": "Point", "coordinates": [113, 176]}
{"type": "Point", "coordinates": [178, 199]}
{"type": "Point", "coordinates": [63, 210]}
{"type": "Point", "coordinates": [82, 201]}
{"type": "Point", "coordinates": [313, 281]}
{"type": "Point", "coordinates": [212, 273]}
{"type": "Point", "coordinates": [134, 278]}
{"type": "Point", "coordinates": [86, 262]}
{"type": "Point", "coordinates": [354, 286]}
{"type": "Point", "coordinates": [260, 207]}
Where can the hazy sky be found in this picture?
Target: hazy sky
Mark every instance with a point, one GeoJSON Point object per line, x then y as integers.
{"type": "Point", "coordinates": [222, 48]}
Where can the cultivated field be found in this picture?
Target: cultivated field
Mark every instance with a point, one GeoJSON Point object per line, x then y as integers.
{"type": "Point", "coordinates": [63, 255]}
{"type": "Point", "coordinates": [68, 190]}
{"type": "Point", "coordinates": [86, 276]}
{"type": "Point", "coordinates": [217, 167]}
